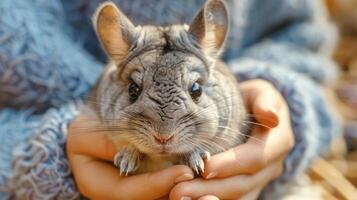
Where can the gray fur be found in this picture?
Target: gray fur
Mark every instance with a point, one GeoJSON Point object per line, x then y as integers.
{"type": "Point", "coordinates": [165, 62]}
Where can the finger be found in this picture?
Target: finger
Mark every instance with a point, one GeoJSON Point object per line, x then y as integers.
{"type": "Point", "coordinates": [253, 195]}
{"type": "Point", "coordinates": [263, 100]}
{"type": "Point", "coordinates": [228, 188]}
{"type": "Point", "coordinates": [265, 108]}
{"type": "Point", "coordinates": [277, 141]}
{"type": "Point", "coordinates": [85, 138]}
{"type": "Point", "coordinates": [208, 197]}
{"type": "Point", "coordinates": [108, 184]}
{"type": "Point", "coordinates": [246, 158]}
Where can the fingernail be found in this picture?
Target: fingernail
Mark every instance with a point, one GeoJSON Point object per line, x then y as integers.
{"type": "Point", "coordinates": [186, 198]}
{"type": "Point", "coordinates": [211, 175]}
{"type": "Point", "coordinates": [184, 177]}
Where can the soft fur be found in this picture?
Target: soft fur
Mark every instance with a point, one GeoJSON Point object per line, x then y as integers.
{"type": "Point", "coordinates": [165, 62]}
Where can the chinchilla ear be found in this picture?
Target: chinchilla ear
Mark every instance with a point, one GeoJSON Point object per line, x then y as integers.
{"type": "Point", "coordinates": [115, 31]}
{"type": "Point", "coordinates": [210, 27]}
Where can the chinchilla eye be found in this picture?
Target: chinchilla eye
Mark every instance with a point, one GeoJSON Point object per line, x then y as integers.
{"type": "Point", "coordinates": [196, 91]}
{"type": "Point", "coordinates": [134, 91]}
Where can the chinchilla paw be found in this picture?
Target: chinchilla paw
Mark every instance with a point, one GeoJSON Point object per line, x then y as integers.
{"type": "Point", "coordinates": [128, 160]}
{"type": "Point", "coordinates": [195, 160]}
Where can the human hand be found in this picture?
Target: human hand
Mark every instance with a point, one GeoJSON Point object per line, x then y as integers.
{"type": "Point", "coordinates": [90, 155]}
{"type": "Point", "coordinates": [242, 172]}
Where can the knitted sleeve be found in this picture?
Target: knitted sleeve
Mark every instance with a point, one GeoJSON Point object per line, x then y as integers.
{"type": "Point", "coordinates": [41, 64]}
{"type": "Point", "coordinates": [33, 162]}
{"type": "Point", "coordinates": [41, 67]}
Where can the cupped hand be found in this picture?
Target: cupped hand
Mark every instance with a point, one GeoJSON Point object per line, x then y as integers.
{"type": "Point", "coordinates": [90, 154]}
{"type": "Point", "coordinates": [242, 172]}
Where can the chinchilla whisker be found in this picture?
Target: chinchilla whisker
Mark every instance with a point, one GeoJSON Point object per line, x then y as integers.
{"type": "Point", "coordinates": [133, 122]}
{"type": "Point", "coordinates": [129, 114]}
{"type": "Point", "coordinates": [229, 137]}
{"type": "Point", "coordinates": [245, 121]}
{"type": "Point", "coordinates": [100, 126]}
{"type": "Point", "coordinates": [214, 146]}
{"type": "Point", "coordinates": [219, 150]}
{"type": "Point", "coordinates": [256, 123]}
{"type": "Point", "coordinates": [256, 116]}
{"type": "Point", "coordinates": [251, 122]}
{"type": "Point", "coordinates": [188, 117]}
{"type": "Point", "coordinates": [205, 110]}
{"type": "Point", "coordinates": [240, 133]}
{"type": "Point", "coordinates": [100, 103]}
{"type": "Point", "coordinates": [226, 138]}
{"type": "Point", "coordinates": [91, 131]}
{"type": "Point", "coordinates": [123, 115]}
{"type": "Point", "coordinates": [197, 112]}
{"type": "Point", "coordinates": [210, 146]}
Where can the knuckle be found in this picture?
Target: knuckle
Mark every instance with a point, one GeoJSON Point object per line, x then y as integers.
{"type": "Point", "coordinates": [180, 189]}
{"type": "Point", "coordinates": [184, 187]}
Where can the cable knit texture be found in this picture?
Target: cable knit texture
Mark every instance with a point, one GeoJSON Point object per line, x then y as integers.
{"type": "Point", "coordinates": [50, 58]}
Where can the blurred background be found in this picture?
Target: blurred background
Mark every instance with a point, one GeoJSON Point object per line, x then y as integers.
{"type": "Point", "coordinates": [335, 175]}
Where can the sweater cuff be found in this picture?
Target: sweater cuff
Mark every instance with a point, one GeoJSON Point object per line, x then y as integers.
{"type": "Point", "coordinates": [40, 169]}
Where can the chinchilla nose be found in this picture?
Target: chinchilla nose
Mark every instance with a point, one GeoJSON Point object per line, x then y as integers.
{"type": "Point", "coordinates": [163, 139]}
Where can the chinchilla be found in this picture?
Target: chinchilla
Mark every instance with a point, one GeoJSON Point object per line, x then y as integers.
{"type": "Point", "coordinates": [165, 97]}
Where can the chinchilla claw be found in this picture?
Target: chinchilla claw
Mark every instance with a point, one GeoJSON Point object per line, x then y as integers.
{"type": "Point", "coordinates": [128, 160]}
{"type": "Point", "coordinates": [195, 161]}
{"type": "Point", "coordinates": [205, 155]}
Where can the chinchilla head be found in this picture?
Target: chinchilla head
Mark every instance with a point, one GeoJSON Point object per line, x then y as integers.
{"type": "Point", "coordinates": [161, 91]}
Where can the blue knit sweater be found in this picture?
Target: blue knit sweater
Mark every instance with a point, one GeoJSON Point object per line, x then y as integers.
{"type": "Point", "coordinates": [50, 59]}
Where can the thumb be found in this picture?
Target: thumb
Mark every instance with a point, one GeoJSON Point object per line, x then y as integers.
{"type": "Point", "coordinates": [265, 107]}
{"type": "Point", "coordinates": [263, 100]}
